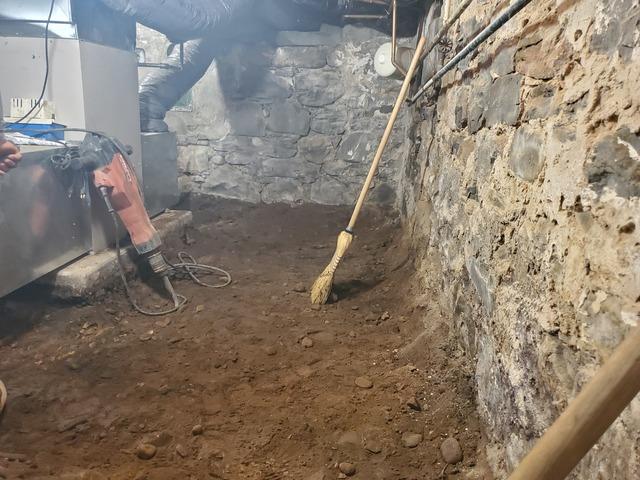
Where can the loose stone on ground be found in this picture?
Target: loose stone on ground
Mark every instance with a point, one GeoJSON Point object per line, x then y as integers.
{"type": "Point", "coordinates": [364, 382]}
{"type": "Point", "coordinates": [411, 440]}
{"type": "Point", "coordinates": [451, 451]}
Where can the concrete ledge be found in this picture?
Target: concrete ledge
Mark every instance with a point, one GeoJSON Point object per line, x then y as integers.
{"type": "Point", "coordinates": [89, 274]}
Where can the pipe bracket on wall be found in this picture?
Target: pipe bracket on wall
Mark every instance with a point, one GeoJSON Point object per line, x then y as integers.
{"type": "Point", "coordinates": [511, 11]}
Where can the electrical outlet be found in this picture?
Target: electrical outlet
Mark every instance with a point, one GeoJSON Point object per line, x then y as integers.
{"type": "Point", "coordinates": [22, 106]}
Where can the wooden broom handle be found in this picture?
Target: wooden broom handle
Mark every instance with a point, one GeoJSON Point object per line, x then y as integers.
{"type": "Point", "coordinates": [387, 133]}
{"type": "Point", "coordinates": [587, 417]}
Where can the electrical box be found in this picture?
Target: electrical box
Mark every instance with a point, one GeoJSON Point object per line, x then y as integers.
{"type": "Point", "coordinates": [21, 106]}
{"type": "Point", "coordinates": [92, 79]}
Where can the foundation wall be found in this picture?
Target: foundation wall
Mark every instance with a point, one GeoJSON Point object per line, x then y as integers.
{"type": "Point", "coordinates": [523, 201]}
{"type": "Point", "coordinates": [291, 118]}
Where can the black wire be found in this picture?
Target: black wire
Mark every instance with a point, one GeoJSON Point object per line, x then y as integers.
{"type": "Point", "coordinates": [179, 300]}
{"type": "Point", "coordinates": [46, 74]}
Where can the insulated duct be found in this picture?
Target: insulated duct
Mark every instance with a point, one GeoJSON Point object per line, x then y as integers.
{"type": "Point", "coordinates": [179, 20]}
{"type": "Point", "coordinates": [206, 25]}
{"type": "Point", "coordinates": [162, 88]}
{"type": "Point", "coordinates": [182, 20]}
{"type": "Point", "coordinates": [198, 23]}
{"type": "Point", "coordinates": [226, 19]}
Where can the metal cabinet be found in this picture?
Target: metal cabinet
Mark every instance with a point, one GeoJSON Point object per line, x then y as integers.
{"type": "Point", "coordinates": [45, 219]}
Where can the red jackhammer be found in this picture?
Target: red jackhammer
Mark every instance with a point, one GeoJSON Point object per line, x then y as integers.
{"type": "Point", "coordinates": [117, 183]}
{"type": "Point", "coordinates": [120, 191]}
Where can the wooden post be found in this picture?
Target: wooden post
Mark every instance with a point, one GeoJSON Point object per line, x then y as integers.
{"type": "Point", "coordinates": [587, 417]}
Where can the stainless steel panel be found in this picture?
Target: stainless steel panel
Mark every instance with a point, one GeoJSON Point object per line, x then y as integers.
{"type": "Point", "coordinates": [160, 171]}
{"type": "Point", "coordinates": [44, 220]}
{"type": "Point", "coordinates": [35, 10]}
{"type": "Point", "coordinates": [27, 18]}
{"type": "Point", "coordinates": [110, 103]}
{"type": "Point", "coordinates": [92, 86]}
{"type": "Point", "coordinates": [88, 20]}
{"type": "Point", "coordinates": [36, 30]}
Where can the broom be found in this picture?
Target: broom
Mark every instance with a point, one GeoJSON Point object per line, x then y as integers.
{"type": "Point", "coordinates": [3, 396]}
{"type": "Point", "coordinates": [322, 287]}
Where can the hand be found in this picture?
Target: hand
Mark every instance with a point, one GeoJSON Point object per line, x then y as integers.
{"type": "Point", "coordinates": [9, 156]}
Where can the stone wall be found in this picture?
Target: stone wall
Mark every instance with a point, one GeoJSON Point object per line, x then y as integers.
{"type": "Point", "coordinates": [292, 118]}
{"type": "Point", "coordinates": [523, 201]}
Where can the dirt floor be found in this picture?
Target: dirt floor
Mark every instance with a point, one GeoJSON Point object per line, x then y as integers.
{"type": "Point", "coordinates": [246, 382]}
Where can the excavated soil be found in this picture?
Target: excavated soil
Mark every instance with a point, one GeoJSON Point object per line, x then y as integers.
{"type": "Point", "coordinates": [248, 382]}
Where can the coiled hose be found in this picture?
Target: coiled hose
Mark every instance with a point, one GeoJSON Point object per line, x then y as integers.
{"type": "Point", "coordinates": [186, 267]}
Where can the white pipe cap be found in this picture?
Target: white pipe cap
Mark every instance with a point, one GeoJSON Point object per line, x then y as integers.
{"type": "Point", "coordinates": [382, 61]}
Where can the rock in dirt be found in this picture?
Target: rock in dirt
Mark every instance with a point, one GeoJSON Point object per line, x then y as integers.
{"type": "Point", "coordinates": [160, 439]}
{"type": "Point", "coordinates": [164, 389]}
{"type": "Point", "coordinates": [305, 371]}
{"type": "Point", "coordinates": [70, 423]}
{"type": "Point", "coordinates": [300, 288]}
{"type": "Point", "coordinates": [414, 404]}
{"type": "Point", "coordinates": [197, 430]}
{"type": "Point", "coordinates": [306, 342]}
{"type": "Point", "coordinates": [72, 364]}
{"type": "Point", "coordinates": [349, 438]}
{"type": "Point", "coordinates": [146, 451]}
{"type": "Point", "coordinates": [451, 451]}
{"type": "Point", "coordinates": [145, 337]}
{"type": "Point", "coordinates": [411, 440]}
{"type": "Point", "coordinates": [270, 350]}
{"type": "Point", "coordinates": [347, 468]}
{"type": "Point", "coordinates": [371, 317]}
{"type": "Point", "coordinates": [372, 446]}
{"type": "Point", "coordinates": [182, 450]}
{"type": "Point", "coordinates": [163, 323]}
{"type": "Point", "coordinates": [364, 382]}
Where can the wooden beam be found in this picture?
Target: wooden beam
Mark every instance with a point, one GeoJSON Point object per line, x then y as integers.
{"type": "Point", "coordinates": [587, 417]}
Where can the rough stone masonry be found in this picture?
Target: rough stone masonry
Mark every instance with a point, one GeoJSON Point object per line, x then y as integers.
{"type": "Point", "coordinates": [292, 118]}
{"type": "Point", "coordinates": [523, 201]}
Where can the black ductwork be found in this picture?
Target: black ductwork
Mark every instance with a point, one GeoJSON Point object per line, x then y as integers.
{"type": "Point", "coordinates": [180, 20]}
{"type": "Point", "coordinates": [207, 25]}
{"type": "Point", "coordinates": [162, 88]}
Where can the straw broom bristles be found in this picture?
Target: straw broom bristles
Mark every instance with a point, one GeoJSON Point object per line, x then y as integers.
{"type": "Point", "coordinates": [321, 289]}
